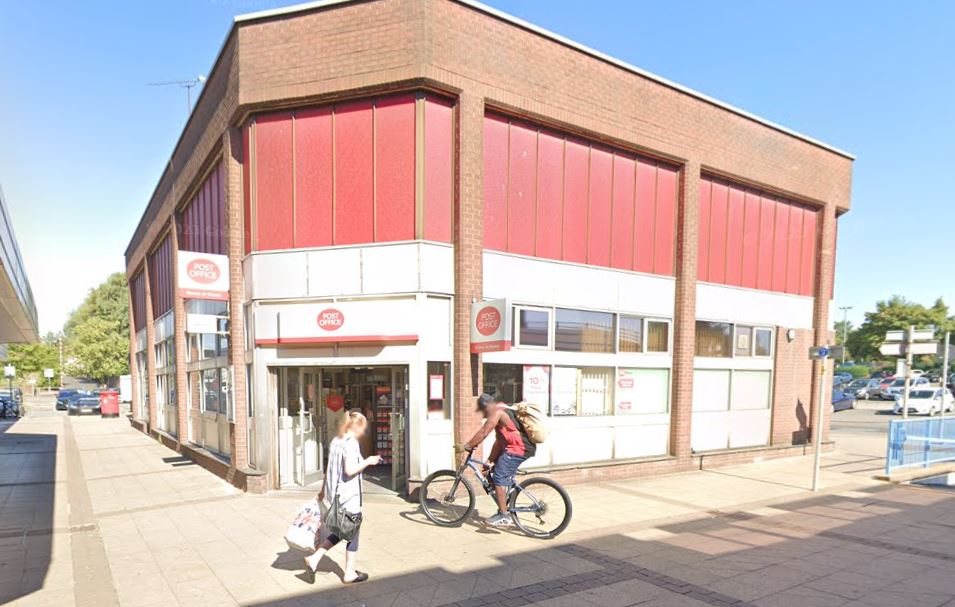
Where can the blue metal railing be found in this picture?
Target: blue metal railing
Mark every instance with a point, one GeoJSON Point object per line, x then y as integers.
{"type": "Point", "coordinates": [920, 443]}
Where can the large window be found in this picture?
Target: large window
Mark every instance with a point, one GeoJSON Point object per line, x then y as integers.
{"type": "Point", "coordinates": [658, 336]}
{"type": "Point", "coordinates": [583, 331]}
{"type": "Point", "coordinates": [533, 327]}
{"type": "Point", "coordinates": [582, 391]}
{"type": "Point", "coordinates": [505, 380]}
{"type": "Point", "coordinates": [216, 390]}
{"type": "Point", "coordinates": [207, 345]}
{"type": "Point", "coordinates": [725, 340]}
{"type": "Point", "coordinates": [642, 391]}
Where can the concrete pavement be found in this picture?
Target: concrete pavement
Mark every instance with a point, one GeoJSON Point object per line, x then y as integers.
{"type": "Point", "coordinates": [94, 513]}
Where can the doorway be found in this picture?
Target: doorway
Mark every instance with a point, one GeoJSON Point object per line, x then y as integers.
{"type": "Point", "coordinates": [312, 402]}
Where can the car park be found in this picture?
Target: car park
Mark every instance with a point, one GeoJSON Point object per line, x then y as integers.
{"type": "Point", "coordinates": [86, 401]}
{"type": "Point", "coordinates": [896, 387]}
{"type": "Point", "coordinates": [842, 401]}
{"type": "Point", "coordinates": [884, 384]}
{"type": "Point", "coordinates": [927, 401]}
{"type": "Point", "coordinates": [864, 388]}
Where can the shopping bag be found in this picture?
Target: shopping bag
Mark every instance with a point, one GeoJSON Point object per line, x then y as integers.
{"type": "Point", "coordinates": [302, 533]}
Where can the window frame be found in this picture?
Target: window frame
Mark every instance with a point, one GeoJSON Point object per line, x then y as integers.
{"type": "Point", "coordinates": [517, 309]}
{"type": "Point", "coordinates": [772, 345]}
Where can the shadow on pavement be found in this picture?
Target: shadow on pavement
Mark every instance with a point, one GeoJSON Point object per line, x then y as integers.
{"type": "Point", "coordinates": [888, 544]}
{"type": "Point", "coordinates": [27, 489]}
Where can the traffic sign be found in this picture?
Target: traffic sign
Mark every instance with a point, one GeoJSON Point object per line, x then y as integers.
{"type": "Point", "coordinates": [923, 335]}
{"type": "Point", "coordinates": [895, 336]}
{"type": "Point", "coordinates": [9, 371]}
{"type": "Point", "coordinates": [48, 373]}
{"type": "Point", "coordinates": [819, 352]}
{"type": "Point", "coordinates": [930, 347]}
{"type": "Point", "coordinates": [888, 349]}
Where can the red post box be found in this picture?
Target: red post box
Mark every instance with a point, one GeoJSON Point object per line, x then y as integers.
{"type": "Point", "coordinates": [109, 403]}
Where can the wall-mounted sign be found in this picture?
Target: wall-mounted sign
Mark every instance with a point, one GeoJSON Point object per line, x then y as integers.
{"type": "Point", "coordinates": [374, 321]}
{"type": "Point", "coordinates": [490, 326]}
{"type": "Point", "coordinates": [202, 323]}
{"type": "Point", "coordinates": [330, 319]}
{"type": "Point", "coordinates": [537, 385]}
{"type": "Point", "coordinates": [203, 276]}
{"type": "Point", "coordinates": [335, 402]}
{"type": "Point", "coordinates": [435, 387]}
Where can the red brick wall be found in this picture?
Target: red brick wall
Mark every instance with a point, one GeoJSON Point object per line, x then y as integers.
{"type": "Point", "coordinates": [792, 384]}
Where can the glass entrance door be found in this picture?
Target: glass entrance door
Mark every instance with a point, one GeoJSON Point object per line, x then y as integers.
{"type": "Point", "coordinates": [301, 445]}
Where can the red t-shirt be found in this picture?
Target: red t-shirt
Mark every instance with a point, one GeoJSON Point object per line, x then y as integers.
{"type": "Point", "coordinates": [509, 435]}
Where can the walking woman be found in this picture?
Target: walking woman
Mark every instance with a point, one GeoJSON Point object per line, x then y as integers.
{"type": "Point", "coordinates": [343, 480]}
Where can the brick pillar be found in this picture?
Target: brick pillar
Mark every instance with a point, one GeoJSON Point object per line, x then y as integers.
{"type": "Point", "coordinates": [684, 311]}
{"type": "Point", "coordinates": [134, 394]}
{"type": "Point", "coordinates": [150, 352]}
{"type": "Point", "coordinates": [179, 340]}
{"type": "Point", "coordinates": [825, 266]}
{"type": "Point", "coordinates": [235, 249]}
{"type": "Point", "coordinates": [468, 260]}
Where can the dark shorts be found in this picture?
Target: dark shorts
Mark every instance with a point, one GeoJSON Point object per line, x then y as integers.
{"type": "Point", "coordinates": [352, 545]}
{"type": "Point", "coordinates": [505, 468]}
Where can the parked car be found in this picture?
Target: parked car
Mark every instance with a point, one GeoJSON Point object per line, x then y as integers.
{"type": "Point", "coordinates": [9, 407]}
{"type": "Point", "coordinates": [917, 372]}
{"type": "Point", "coordinates": [896, 387]}
{"type": "Point", "coordinates": [884, 384]}
{"type": "Point", "coordinates": [17, 394]}
{"type": "Point", "coordinates": [932, 376]}
{"type": "Point", "coordinates": [842, 401]}
{"type": "Point", "coordinates": [864, 388]}
{"type": "Point", "coordinates": [882, 374]}
{"type": "Point", "coordinates": [927, 401]}
{"type": "Point", "coordinates": [86, 401]}
{"type": "Point", "coordinates": [63, 398]}
{"type": "Point", "coordinates": [842, 377]}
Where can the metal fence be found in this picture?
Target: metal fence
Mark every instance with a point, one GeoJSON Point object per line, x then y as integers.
{"type": "Point", "coordinates": [920, 443]}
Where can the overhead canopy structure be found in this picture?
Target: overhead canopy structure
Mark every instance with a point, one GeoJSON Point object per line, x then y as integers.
{"type": "Point", "coordinates": [18, 319]}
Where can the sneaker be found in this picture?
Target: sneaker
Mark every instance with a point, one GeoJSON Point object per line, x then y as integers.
{"type": "Point", "coordinates": [499, 520]}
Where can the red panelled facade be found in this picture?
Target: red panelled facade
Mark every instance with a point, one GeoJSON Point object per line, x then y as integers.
{"type": "Point", "coordinates": [202, 221]}
{"type": "Point", "coordinates": [551, 195]}
{"type": "Point", "coordinates": [755, 240]}
{"type": "Point", "coordinates": [138, 296]}
{"type": "Point", "coordinates": [160, 277]}
{"type": "Point", "coordinates": [346, 174]}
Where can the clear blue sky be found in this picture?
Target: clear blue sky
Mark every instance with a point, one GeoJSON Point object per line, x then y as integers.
{"type": "Point", "coordinates": [83, 139]}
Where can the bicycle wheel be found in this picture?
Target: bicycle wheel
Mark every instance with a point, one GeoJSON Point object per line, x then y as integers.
{"type": "Point", "coordinates": [446, 499]}
{"type": "Point", "coordinates": [541, 508]}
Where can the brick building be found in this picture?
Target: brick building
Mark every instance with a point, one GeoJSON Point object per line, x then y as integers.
{"type": "Point", "coordinates": [357, 175]}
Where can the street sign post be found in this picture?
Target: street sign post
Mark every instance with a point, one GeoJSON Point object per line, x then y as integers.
{"type": "Point", "coordinates": [10, 372]}
{"type": "Point", "coordinates": [48, 374]}
{"type": "Point", "coordinates": [820, 353]}
{"type": "Point", "coordinates": [908, 344]}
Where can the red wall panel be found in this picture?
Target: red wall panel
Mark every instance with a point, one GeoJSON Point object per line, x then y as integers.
{"type": "Point", "coordinates": [665, 240]}
{"type": "Point", "coordinates": [718, 212]}
{"type": "Point", "coordinates": [160, 277]}
{"type": "Point", "coordinates": [273, 191]}
{"type": "Point", "coordinates": [807, 273]}
{"type": "Point", "coordinates": [246, 188]}
{"type": "Point", "coordinates": [521, 189]}
{"type": "Point", "coordinates": [550, 195]}
{"type": "Point", "coordinates": [202, 222]}
{"type": "Point", "coordinates": [576, 194]}
{"type": "Point", "coordinates": [314, 182]}
{"type": "Point", "coordinates": [354, 175]}
{"type": "Point", "coordinates": [703, 246]}
{"type": "Point", "coordinates": [137, 292]}
{"type": "Point", "coordinates": [395, 169]}
{"type": "Point", "coordinates": [767, 227]}
{"type": "Point", "coordinates": [621, 232]}
{"type": "Point", "coordinates": [598, 223]}
{"type": "Point", "coordinates": [438, 169]}
{"type": "Point", "coordinates": [645, 217]}
{"type": "Point", "coordinates": [794, 254]}
{"type": "Point", "coordinates": [734, 237]}
{"type": "Point", "coordinates": [495, 183]}
{"type": "Point", "coordinates": [751, 206]}
{"type": "Point", "coordinates": [780, 247]}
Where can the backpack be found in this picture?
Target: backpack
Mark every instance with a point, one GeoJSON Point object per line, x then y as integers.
{"type": "Point", "coordinates": [533, 421]}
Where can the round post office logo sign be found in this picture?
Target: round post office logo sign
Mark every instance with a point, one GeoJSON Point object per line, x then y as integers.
{"type": "Point", "coordinates": [488, 321]}
{"type": "Point", "coordinates": [203, 271]}
{"type": "Point", "coordinates": [331, 319]}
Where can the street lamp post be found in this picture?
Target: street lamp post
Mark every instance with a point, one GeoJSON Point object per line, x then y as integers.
{"type": "Point", "coordinates": [845, 330]}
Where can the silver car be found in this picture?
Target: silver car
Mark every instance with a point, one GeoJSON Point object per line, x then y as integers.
{"type": "Point", "coordinates": [864, 388]}
{"type": "Point", "coordinates": [896, 387]}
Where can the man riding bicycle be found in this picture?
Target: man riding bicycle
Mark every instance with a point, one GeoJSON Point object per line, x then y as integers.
{"type": "Point", "coordinates": [511, 448]}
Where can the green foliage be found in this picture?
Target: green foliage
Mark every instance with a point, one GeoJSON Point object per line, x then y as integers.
{"type": "Point", "coordinates": [97, 333]}
{"type": "Point", "coordinates": [894, 314]}
{"type": "Point", "coordinates": [31, 359]}
{"type": "Point", "coordinates": [842, 330]}
{"type": "Point", "coordinates": [857, 371]}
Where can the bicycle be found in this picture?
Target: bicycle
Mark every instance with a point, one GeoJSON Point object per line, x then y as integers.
{"type": "Point", "coordinates": [533, 504]}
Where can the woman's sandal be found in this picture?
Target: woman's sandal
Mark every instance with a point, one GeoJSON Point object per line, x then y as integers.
{"type": "Point", "coordinates": [360, 576]}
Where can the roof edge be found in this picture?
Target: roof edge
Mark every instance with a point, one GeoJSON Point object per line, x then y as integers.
{"type": "Point", "coordinates": [479, 6]}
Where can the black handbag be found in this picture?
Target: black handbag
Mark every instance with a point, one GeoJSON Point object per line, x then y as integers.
{"type": "Point", "coordinates": [339, 521]}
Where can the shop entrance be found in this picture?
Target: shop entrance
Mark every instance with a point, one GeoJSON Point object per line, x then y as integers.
{"type": "Point", "coordinates": [311, 403]}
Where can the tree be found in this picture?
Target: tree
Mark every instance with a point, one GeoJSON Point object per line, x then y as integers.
{"type": "Point", "coordinates": [97, 332]}
{"type": "Point", "coordinates": [31, 359]}
{"type": "Point", "coordinates": [894, 314]}
{"type": "Point", "coordinates": [842, 329]}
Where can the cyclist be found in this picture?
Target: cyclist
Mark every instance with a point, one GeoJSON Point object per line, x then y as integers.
{"type": "Point", "coordinates": [511, 449]}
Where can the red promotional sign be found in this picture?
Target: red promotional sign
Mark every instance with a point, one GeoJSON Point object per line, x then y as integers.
{"type": "Point", "coordinates": [203, 271]}
{"type": "Point", "coordinates": [488, 321]}
{"type": "Point", "coordinates": [335, 402]}
{"type": "Point", "coordinates": [625, 382]}
{"type": "Point", "coordinates": [330, 319]}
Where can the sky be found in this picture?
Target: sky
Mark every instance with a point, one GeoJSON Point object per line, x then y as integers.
{"type": "Point", "coordinates": [83, 139]}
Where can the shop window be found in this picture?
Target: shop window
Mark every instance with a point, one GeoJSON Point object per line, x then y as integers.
{"type": "Point", "coordinates": [439, 390]}
{"type": "Point", "coordinates": [714, 339]}
{"type": "Point", "coordinates": [763, 343]}
{"type": "Point", "coordinates": [711, 389]}
{"type": "Point", "coordinates": [583, 391]}
{"type": "Point", "coordinates": [216, 390]}
{"type": "Point", "coordinates": [744, 341]}
{"type": "Point", "coordinates": [507, 381]}
{"type": "Point", "coordinates": [750, 390]}
{"type": "Point", "coordinates": [641, 391]}
{"type": "Point", "coordinates": [584, 331]}
{"type": "Point", "coordinates": [658, 336]}
{"type": "Point", "coordinates": [533, 327]}
{"type": "Point", "coordinates": [631, 334]}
